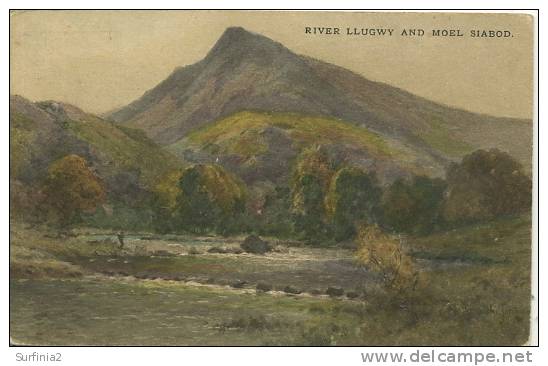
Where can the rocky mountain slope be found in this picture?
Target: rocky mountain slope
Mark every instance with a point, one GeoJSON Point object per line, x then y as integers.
{"type": "Point", "coordinates": [249, 72]}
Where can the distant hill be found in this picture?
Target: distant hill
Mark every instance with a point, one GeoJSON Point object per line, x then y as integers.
{"type": "Point", "coordinates": [261, 146]}
{"type": "Point", "coordinates": [249, 72]}
{"type": "Point", "coordinates": [45, 131]}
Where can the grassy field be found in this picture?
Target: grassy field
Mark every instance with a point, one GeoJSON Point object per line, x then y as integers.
{"type": "Point", "coordinates": [176, 290]}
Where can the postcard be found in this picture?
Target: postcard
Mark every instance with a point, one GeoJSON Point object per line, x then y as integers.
{"type": "Point", "coordinates": [271, 178]}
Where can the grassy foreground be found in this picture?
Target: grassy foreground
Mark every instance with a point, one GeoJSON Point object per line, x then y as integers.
{"type": "Point", "coordinates": [475, 290]}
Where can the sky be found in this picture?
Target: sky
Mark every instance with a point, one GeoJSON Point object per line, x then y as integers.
{"type": "Point", "coordinates": [101, 60]}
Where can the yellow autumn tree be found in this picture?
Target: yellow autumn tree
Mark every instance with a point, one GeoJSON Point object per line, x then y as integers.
{"type": "Point", "coordinates": [70, 189]}
{"type": "Point", "coordinates": [384, 255]}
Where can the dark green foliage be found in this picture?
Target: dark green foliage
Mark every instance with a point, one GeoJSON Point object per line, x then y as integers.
{"type": "Point", "coordinates": [121, 217]}
{"type": "Point", "coordinates": [163, 221]}
{"type": "Point", "coordinates": [353, 198]}
{"type": "Point", "coordinates": [413, 206]}
{"type": "Point", "coordinates": [486, 184]}
{"type": "Point", "coordinates": [210, 200]}
{"type": "Point", "coordinates": [309, 222]}
{"type": "Point", "coordinates": [196, 211]}
{"type": "Point", "coordinates": [275, 219]}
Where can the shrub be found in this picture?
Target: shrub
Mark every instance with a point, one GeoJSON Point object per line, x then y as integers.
{"type": "Point", "coordinates": [384, 255]}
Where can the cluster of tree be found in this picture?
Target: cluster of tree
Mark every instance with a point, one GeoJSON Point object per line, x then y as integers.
{"type": "Point", "coordinates": [484, 185]}
{"type": "Point", "coordinates": [413, 205]}
{"type": "Point", "coordinates": [325, 202]}
{"type": "Point", "coordinates": [202, 198]}
{"type": "Point", "coordinates": [330, 203]}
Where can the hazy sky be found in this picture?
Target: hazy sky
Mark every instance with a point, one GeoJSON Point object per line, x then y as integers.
{"type": "Point", "coordinates": [99, 60]}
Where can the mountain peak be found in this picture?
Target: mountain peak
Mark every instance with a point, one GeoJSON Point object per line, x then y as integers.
{"type": "Point", "coordinates": [238, 31]}
{"type": "Point", "coordinates": [239, 41]}
{"type": "Point", "coordinates": [238, 34]}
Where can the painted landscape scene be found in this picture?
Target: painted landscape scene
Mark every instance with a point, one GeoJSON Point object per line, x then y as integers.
{"type": "Point", "coordinates": [264, 197]}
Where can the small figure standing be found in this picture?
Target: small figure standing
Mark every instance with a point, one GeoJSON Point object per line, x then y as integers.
{"type": "Point", "coordinates": [120, 236]}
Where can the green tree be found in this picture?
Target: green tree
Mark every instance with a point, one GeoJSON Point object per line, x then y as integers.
{"type": "Point", "coordinates": [209, 199]}
{"type": "Point", "coordinates": [413, 206]}
{"type": "Point", "coordinates": [353, 197]}
{"type": "Point", "coordinates": [70, 189]}
{"type": "Point", "coordinates": [486, 184]}
{"type": "Point", "coordinates": [276, 218]}
{"type": "Point", "coordinates": [310, 183]}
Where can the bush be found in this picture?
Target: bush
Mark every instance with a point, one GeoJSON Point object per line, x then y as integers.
{"type": "Point", "coordinates": [384, 255]}
{"type": "Point", "coordinates": [254, 244]}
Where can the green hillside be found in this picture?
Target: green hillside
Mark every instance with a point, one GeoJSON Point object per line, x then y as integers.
{"type": "Point", "coordinates": [46, 131]}
{"type": "Point", "coordinates": [236, 131]}
{"type": "Point", "coordinates": [125, 148]}
{"type": "Point", "coordinates": [255, 138]}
